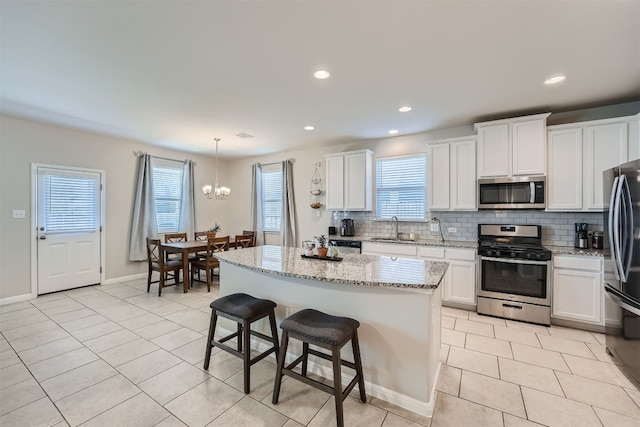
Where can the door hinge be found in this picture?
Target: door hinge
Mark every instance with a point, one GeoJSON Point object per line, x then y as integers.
{"type": "Point", "coordinates": [100, 270]}
{"type": "Point", "coordinates": [100, 187]}
{"type": "Point", "coordinates": [101, 229]}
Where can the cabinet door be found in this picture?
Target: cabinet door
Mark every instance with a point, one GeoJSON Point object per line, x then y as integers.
{"type": "Point", "coordinates": [577, 295]}
{"type": "Point", "coordinates": [357, 182]}
{"type": "Point", "coordinates": [463, 176]}
{"type": "Point", "coordinates": [335, 182]}
{"type": "Point", "coordinates": [438, 180]}
{"type": "Point", "coordinates": [460, 283]}
{"type": "Point", "coordinates": [606, 147]}
{"type": "Point", "coordinates": [529, 147]}
{"type": "Point", "coordinates": [564, 181]}
{"type": "Point", "coordinates": [494, 151]}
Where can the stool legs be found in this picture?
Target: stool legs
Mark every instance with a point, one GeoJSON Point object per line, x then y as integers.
{"type": "Point", "coordinates": [212, 330]}
{"type": "Point", "coordinates": [337, 384]}
{"type": "Point", "coordinates": [358, 362]}
{"type": "Point", "coordinates": [246, 337]}
{"type": "Point", "coordinates": [282, 355]}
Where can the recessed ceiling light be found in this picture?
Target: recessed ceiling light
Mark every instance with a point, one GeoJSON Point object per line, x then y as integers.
{"type": "Point", "coordinates": [309, 128]}
{"type": "Point", "coordinates": [405, 109]}
{"type": "Point", "coordinates": [393, 131]}
{"type": "Point", "coordinates": [555, 79]}
{"type": "Point", "coordinates": [321, 74]}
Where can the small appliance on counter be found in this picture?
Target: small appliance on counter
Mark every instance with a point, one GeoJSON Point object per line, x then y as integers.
{"type": "Point", "coordinates": [582, 235]}
{"type": "Point", "coordinates": [332, 231]}
{"type": "Point", "coordinates": [346, 227]}
{"type": "Point", "coordinates": [597, 241]}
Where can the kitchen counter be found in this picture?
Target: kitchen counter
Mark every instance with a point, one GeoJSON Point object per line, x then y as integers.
{"type": "Point", "coordinates": [354, 269]}
{"type": "Point", "coordinates": [567, 250]}
{"type": "Point", "coordinates": [419, 242]}
{"type": "Point", "coordinates": [397, 302]}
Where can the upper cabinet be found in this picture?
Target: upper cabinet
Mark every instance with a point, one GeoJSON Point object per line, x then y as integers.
{"type": "Point", "coordinates": [451, 182]}
{"type": "Point", "coordinates": [578, 153]}
{"type": "Point", "coordinates": [349, 180]}
{"type": "Point", "coordinates": [512, 147]}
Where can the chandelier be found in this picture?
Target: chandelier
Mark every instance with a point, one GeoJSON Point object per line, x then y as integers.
{"type": "Point", "coordinates": [216, 191]}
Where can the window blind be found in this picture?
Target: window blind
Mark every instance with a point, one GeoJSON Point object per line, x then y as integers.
{"type": "Point", "coordinates": [167, 192]}
{"type": "Point", "coordinates": [401, 187]}
{"type": "Point", "coordinates": [272, 199]}
{"type": "Point", "coordinates": [71, 203]}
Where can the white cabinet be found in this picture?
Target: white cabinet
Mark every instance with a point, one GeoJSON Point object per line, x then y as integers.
{"type": "Point", "coordinates": [451, 184]}
{"type": "Point", "coordinates": [512, 147]}
{"type": "Point", "coordinates": [389, 249]}
{"type": "Point", "coordinates": [606, 147]}
{"type": "Point", "coordinates": [459, 282]}
{"type": "Point", "coordinates": [564, 180]}
{"type": "Point", "coordinates": [349, 180]}
{"type": "Point", "coordinates": [578, 153]}
{"type": "Point", "coordinates": [577, 289]}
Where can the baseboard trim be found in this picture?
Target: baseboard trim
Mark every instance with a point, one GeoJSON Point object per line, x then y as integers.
{"type": "Point", "coordinates": [577, 325]}
{"type": "Point", "coordinates": [373, 390]}
{"type": "Point", "coordinates": [124, 278]}
{"type": "Point", "coordinates": [17, 298]}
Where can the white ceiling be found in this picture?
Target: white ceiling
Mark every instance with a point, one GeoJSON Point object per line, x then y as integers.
{"type": "Point", "coordinates": [180, 73]}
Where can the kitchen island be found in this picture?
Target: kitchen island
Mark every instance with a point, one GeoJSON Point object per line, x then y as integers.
{"type": "Point", "coordinates": [397, 302]}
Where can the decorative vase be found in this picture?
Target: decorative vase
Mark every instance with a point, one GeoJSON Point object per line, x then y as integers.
{"type": "Point", "coordinates": [211, 234]}
{"type": "Point", "coordinates": [322, 252]}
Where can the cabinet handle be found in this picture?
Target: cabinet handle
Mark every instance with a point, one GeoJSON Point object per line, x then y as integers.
{"type": "Point", "coordinates": [512, 306]}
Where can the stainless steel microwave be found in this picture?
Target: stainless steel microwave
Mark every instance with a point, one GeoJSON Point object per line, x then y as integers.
{"type": "Point", "coordinates": [526, 192]}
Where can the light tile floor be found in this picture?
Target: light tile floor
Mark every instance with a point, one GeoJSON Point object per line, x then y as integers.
{"type": "Point", "coordinates": [115, 355]}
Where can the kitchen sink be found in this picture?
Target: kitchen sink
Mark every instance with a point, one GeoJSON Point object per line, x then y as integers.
{"type": "Point", "coordinates": [384, 239]}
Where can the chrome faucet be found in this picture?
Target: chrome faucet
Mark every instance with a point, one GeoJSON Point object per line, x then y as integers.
{"type": "Point", "coordinates": [396, 219]}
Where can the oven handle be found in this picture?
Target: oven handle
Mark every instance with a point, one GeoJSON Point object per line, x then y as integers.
{"type": "Point", "coordinates": [514, 261]}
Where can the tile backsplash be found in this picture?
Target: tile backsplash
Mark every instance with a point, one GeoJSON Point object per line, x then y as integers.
{"type": "Point", "coordinates": [557, 227]}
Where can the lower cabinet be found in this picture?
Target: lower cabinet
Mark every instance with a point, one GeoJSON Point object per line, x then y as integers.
{"type": "Point", "coordinates": [577, 289]}
{"type": "Point", "coordinates": [459, 282]}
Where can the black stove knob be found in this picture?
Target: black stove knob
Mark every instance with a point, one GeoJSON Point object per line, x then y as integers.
{"type": "Point", "coordinates": [489, 252]}
{"type": "Point", "coordinates": [498, 253]}
{"type": "Point", "coordinates": [538, 256]}
{"type": "Point", "coordinates": [513, 254]}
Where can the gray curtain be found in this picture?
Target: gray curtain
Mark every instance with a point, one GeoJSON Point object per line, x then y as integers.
{"type": "Point", "coordinates": [288, 225]}
{"type": "Point", "coordinates": [256, 203]}
{"type": "Point", "coordinates": [143, 224]}
{"type": "Point", "coordinates": [187, 220]}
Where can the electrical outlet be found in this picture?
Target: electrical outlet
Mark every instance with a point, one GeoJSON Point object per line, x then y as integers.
{"type": "Point", "coordinates": [19, 213]}
{"type": "Point", "coordinates": [434, 227]}
{"type": "Point", "coordinates": [288, 311]}
{"type": "Point", "coordinates": [452, 230]}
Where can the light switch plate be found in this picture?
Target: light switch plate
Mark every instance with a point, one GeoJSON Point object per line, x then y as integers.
{"type": "Point", "coordinates": [434, 227]}
{"type": "Point", "coordinates": [452, 230]}
{"type": "Point", "coordinates": [19, 213]}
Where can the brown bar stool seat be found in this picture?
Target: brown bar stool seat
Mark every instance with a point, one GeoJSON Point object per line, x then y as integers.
{"type": "Point", "coordinates": [244, 310]}
{"type": "Point", "coordinates": [328, 332]}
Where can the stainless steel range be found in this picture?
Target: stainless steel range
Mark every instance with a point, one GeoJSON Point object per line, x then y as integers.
{"type": "Point", "coordinates": [515, 274]}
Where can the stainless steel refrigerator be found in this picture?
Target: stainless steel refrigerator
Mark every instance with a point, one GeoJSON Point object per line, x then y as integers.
{"type": "Point", "coordinates": [622, 275]}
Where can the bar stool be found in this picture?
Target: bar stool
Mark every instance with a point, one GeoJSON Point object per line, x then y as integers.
{"type": "Point", "coordinates": [244, 310]}
{"type": "Point", "coordinates": [328, 332]}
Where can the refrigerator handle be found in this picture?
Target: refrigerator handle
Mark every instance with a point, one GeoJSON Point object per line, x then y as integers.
{"type": "Point", "coordinates": [611, 227]}
{"type": "Point", "coordinates": [622, 300]}
{"type": "Point", "coordinates": [617, 248]}
{"type": "Point", "coordinates": [627, 235]}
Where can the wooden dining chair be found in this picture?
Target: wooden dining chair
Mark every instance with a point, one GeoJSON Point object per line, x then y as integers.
{"type": "Point", "coordinates": [158, 262]}
{"type": "Point", "coordinates": [216, 244]}
{"type": "Point", "coordinates": [202, 237]}
{"type": "Point", "coordinates": [243, 241]}
{"type": "Point", "coordinates": [252, 234]}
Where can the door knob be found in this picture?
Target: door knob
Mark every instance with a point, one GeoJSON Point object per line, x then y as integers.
{"type": "Point", "coordinates": [41, 228]}
{"type": "Point", "coordinates": [43, 237]}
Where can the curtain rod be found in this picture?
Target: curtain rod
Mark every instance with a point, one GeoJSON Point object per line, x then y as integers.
{"type": "Point", "coordinates": [275, 163]}
{"type": "Point", "coordinates": [140, 153]}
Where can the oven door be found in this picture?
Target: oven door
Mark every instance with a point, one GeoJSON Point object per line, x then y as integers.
{"type": "Point", "coordinates": [515, 280]}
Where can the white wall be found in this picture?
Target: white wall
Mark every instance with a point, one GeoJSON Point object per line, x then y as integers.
{"type": "Point", "coordinates": [24, 142]}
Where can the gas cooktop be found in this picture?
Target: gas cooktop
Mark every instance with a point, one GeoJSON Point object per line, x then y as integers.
{"type": "Point", "coordinates": [512, 241]}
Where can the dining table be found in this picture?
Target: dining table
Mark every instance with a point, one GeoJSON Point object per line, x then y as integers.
{"type": "Point", "coordinates": [185, 248]}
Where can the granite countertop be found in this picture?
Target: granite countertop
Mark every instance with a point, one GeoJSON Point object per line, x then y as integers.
{"type": "Point", "coordinates": [567, 250]}
{"type": "Point", "coordinates": [354, 269]}
{"type": "Point", "coordinates": [420, 242]}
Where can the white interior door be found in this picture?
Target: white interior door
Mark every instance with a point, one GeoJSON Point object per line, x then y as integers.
{"type": "Point", "coordinates": [68, 224]}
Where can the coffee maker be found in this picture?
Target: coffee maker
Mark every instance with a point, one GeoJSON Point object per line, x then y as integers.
{"type": "Point", "coordinates": [582, 235]}
{"type": "Point", "coordinates": [346, 227]}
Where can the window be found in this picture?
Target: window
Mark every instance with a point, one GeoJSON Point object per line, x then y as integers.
{"type": "Point", "coordinates": [401, 187]}
{"type": "Point", "coordinates": [272, 197]}
{"type": "Point", "coordinates": [71, 201]}
{"type": "Point", "coordinates": [167, 193]}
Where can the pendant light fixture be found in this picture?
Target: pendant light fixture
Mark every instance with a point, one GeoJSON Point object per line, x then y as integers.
{"type": "Point", "coordinates": [216, 191]}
